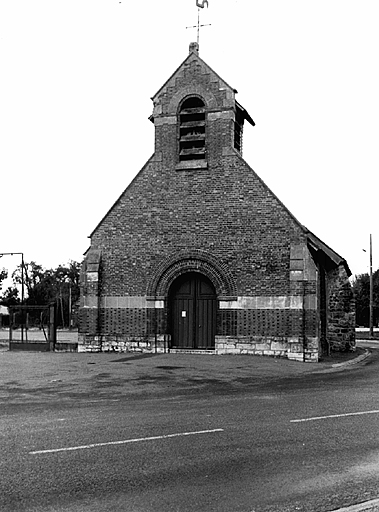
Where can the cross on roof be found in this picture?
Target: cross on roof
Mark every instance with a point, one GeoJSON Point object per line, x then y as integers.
{"type": "Point", "coordinates": [198, 26]}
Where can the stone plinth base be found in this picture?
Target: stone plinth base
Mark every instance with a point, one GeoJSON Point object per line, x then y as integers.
{"type": "Point", "coordinates": [289, 348]}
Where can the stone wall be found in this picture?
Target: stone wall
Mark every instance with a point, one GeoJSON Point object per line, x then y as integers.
{"type": "Point", "coordinates": [341, 311]}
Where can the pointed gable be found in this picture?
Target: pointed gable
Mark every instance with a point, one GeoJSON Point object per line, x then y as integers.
{"type": "Point", "coordinates": [198, 224]}
{"type": "Point", "coordinates": [193, 76]}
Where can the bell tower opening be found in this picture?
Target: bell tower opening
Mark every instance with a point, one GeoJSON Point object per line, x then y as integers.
{"type": "Point", "coordinates": [192, 130]}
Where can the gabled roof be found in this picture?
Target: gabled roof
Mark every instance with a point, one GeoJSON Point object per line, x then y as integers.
{"type": "Point", "coordinates": [313, 241]}
{"type": "Point", "coordinates": [193, 54]}
{"type": "Point", "coordinates": [318, 245]}
{"type": "Point", "coordinates": [117, 201]}
{"type": "Point", "coordinates": [245, 113]}
{"type": "Point", "coordinates": [189, 57]}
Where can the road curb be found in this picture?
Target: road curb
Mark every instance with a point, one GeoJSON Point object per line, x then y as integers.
{"type": "Point", "coordinates": [366, 506]}
{"type": "Point", "coordinates": [356, 360]}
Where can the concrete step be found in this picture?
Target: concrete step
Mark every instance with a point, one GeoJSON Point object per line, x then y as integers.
{"type": "Point", "coordinates": [191, 351]}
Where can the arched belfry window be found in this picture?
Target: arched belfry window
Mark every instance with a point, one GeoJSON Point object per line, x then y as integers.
{"type": "Point", "coordinates": [192, 130]}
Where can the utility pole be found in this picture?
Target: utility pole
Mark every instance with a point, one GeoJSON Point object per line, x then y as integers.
{"type": "Point", "coordinates": [61, 301]}
{"type": "Point", "coordinates": [69, 306]}
{"type": "Point", "coordinates": [371, 294]}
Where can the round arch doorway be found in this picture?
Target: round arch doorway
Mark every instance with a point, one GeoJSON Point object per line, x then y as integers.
{"type": "Point", "coordinates": [193, 311]}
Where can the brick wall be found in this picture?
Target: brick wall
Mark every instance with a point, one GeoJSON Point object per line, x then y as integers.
{"type": "Point", "coordinates": [225, 210]}
{"type": "Point", "coordinates": [214, 216]}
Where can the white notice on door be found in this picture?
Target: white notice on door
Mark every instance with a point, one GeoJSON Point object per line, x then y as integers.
{"type": "Point", "coordinates": [184, 314]}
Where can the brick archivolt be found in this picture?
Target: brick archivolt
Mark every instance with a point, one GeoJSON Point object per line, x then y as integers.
{"type": "Point", "coordinates": [193, 90]}
{"type": "Point", "coordinates": [192, 261]}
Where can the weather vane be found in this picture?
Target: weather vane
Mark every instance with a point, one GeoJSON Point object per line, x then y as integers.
{"type": "Point", "coordinates": [200, 5]}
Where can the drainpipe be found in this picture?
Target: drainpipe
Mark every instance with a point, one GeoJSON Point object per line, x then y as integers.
{"type": "Point", "coordinates": [371, 294]}
{"type": "Point", "coordinates": [304, 339]}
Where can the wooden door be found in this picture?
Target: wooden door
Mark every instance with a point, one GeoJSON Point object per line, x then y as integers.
{"type": "Point", "coordinates": [193, 310]}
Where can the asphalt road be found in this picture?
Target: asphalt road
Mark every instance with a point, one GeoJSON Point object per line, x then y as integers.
{"type": "Point", "coordinates": [83, 435]}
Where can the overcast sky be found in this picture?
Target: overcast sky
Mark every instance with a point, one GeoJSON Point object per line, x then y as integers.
{"type": "Point", "coordinates": [76, 81]}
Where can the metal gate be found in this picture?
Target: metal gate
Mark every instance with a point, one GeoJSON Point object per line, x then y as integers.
{"type": "Point", "coordinates": [32, 328]}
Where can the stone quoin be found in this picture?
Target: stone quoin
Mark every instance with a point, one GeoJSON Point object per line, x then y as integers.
{"type": "Point", "coordinates": [199, 255]}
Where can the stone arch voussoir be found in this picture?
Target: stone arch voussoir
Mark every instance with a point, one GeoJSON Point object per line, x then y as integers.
{"type": "Point", "coordinates": [193, 90]}
{"type": "Point", "coordinates": [192, 261]}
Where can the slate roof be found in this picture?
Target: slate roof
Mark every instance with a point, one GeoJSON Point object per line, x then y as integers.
{"type": "Point", "coordinates": [318, 245]}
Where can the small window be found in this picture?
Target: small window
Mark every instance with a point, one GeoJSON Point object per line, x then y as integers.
{"type": "Point", "coordinates": [192, 130]}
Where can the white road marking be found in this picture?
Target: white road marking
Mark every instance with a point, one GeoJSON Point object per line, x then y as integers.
{"type": "Point", "coordinates": [315, 418]}
{"type": "Point", "coordinates": [125, 441]}
{"type": "Point", "coordinates": [366, 506]}
{"type": "Point", "coordinates": [101, 400]}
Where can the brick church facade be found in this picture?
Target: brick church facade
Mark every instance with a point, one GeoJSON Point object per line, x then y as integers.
{"type": "Point", "coordinates": [198, 255]}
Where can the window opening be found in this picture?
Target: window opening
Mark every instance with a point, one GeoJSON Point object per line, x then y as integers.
{"type": "Point", "coordinates": [192, 130]}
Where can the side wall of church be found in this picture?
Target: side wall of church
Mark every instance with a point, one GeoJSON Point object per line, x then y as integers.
{"type": "Point", "coordinates": [341, 311]}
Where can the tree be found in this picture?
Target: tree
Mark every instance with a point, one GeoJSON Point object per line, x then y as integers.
{"type": "Point", "coordinates": [361, 287]}
{"type": "Point", "coordinates": [67, 290]}
{"type": "Point", "coordinates": [3, 276]}
{"type": "Point", "coordinates": [10, 297]}
{"type": "Point", "coordinates": [31, 275]}
{"type": "Point", "coordinates": [43, 286]}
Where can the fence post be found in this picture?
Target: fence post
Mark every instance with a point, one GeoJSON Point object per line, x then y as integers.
{"type": "Point", "coordinates": [52, 327]}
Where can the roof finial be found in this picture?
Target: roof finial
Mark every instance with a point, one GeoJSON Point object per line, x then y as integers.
{"type": "Point", "coordinates": [200, 5]}
{"type": "Point", "coordinates": [194, 47]}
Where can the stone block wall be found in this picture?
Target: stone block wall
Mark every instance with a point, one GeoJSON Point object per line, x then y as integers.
{"type": "Point", "coordinates": [341, 311]}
